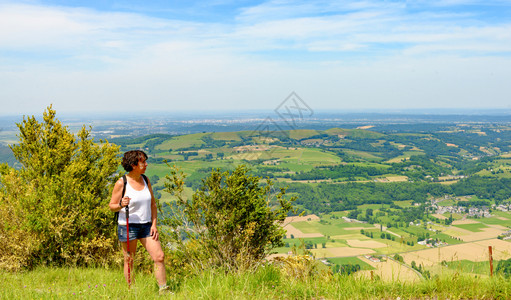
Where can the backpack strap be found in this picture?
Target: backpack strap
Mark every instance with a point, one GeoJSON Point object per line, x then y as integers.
{"type": "Point", "coordinates": [124, 181]}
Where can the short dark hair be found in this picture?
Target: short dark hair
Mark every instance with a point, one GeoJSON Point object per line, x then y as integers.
{"type": "Point", "coordinates": [131, 158]}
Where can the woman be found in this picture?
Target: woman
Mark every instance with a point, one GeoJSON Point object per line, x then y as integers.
{"type": "Point", "coordinates": [140, 200]}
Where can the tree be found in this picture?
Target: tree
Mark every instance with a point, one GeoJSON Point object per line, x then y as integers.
{"type": "Point", "coordinates": [347, 269]}
{"type": "Point", "coordinates": [309, 245]}
{"type": "Point", "coordinates": [353, 214]}
{"type": "Point", "coordinates": [504, 268]}
{"type": "Point", "coordinates": [54, 207]}
{"type": "Point", "coordinates": [233, 221]}
{"type": "Point", "coordinates": [154, 179]}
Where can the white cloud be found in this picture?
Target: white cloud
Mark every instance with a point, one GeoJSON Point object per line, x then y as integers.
{"type": "Point", "coordinates": [348, 55]}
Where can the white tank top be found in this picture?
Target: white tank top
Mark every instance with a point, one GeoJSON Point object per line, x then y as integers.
{"type": "Point", "coordinates": [140, 206]}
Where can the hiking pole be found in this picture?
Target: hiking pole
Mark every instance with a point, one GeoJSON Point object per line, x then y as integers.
{"type": "Point", "coordinates": [128, 244]}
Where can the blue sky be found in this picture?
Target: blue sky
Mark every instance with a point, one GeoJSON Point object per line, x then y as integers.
{"type": "Point", "coordinates": [249, 55]}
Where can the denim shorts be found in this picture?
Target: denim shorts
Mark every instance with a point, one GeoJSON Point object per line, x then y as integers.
{"type": "Point", "coordinates": [137, 231]}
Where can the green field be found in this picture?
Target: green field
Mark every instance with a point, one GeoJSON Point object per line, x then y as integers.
{"type": "Point", "coordinates": [318, 157]}
{"type": "Point", "coordinates": [365, 155]}
{"type": "Point", "coordinates": [476, 227]}
{"type": "Point", "coordinates": [374, 207]}
{"type": "Point", "coordinates": [416, 230]}
{"type": "Point", "coordinates": [350, 260]}
{"type": "Point", "coordinates": [328, 229]}
{"type": "Point", "coordinates": [316, 242]}
{"type": "Point", "coordinates": [448, 202]}
{"type": "Point", "coordinates": [448, 239]}
{"type": "Point", "coordinates": [503, 214]}
{"type": "Point", "coordinates": [182, 141]}
{"type": "Point", "coordinates": [467, 266]}
{"type": "Point", "coordinates": [403, 204]}
{"type": "Point", "coordinates": [399, 231]}
{"type": "Point", "coordinates": [302, 133]}
{"type": "Point", "coordinates": [226, 136]}
{"type": "Point", "coordinates": [296, 166]}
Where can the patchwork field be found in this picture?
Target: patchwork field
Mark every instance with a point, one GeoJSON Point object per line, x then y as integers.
{"type": "Point", "coordinates": [439, 216]}
{"type": "Point", "coordinates": [466, 221]}
{"type": "Point", "coordinates": [297, 233]}
{"type": "Point", "coordinates": [468, 241]}
{"type": "Point", "coordinates": [341, 252]}
{"type": "Point", "coordinates": [470, 236]}
{"type": "Point", "coordinates": [351, 260]}
{"type": "Point", "coordinates": [292, 231]}
{"type": "Point", "coordinates": [475, 251]}
{"type": "Point", "coordinates": [390, 271]}
{"type": "Point", "coordinates": [301, 219]}
{"type": "Point", "coordinates": [365, 244]}
{"type": "Point", "coordinates": [395, 178]}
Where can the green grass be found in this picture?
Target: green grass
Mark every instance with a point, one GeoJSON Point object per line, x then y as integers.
{"type": "Point", "coordinates": [405, 203]}
{"type": "Point", "coordinates": [417, 230]}
{"type": "Point", "coordinates": [318, 157]}
{"type": "Point", "coordinates": [351, 260]}
{"type": "Point", "coordinates": [299, 134]}
{"type": "Point", "coordinates": [467, 266]}
{"type": "Point", "coordinates": [495, 221]}
{"type": "Point", "coordinates": [266, 283]}
{"type": "Point", "coordinates": [446, 238]}
{"type": "Point", "coordinates": [296, 166]}
{"type": "Point", "coordinates": [182, 141]}
{"type": "Point", "coordinates": [356, 133]}
{"type": "Point", "coordinates": [363, 154]}
{"type": "Point", "coordinates": [476, 227]}
{"type": "Point", "coordinates": [226, 136]}
{"type": "Point", "coordinates": [397, 230]}
{"type": "Point", "coordinates": [446, 203]}
{"type": "Point", "coordinates": [351, 225]}
{"type": "Point", "coordinates": [318, 241]}
{"type": "Point", "coordinates": [374, 207]}
{"type": "Point", "coordinates": [329, 229]}
{"type": "Point", "coordinates": [504, 214]}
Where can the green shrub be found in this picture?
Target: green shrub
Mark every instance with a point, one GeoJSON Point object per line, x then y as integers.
{"type": "Point", "coordinates": [232, 221]}
{"type": "Point", "coordinates": [53, 210]}
{"type": "Point", "coordinates": [504, 268]}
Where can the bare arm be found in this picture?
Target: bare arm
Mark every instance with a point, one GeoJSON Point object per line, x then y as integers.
{"type": "Point", "coordinates": [116, 197]}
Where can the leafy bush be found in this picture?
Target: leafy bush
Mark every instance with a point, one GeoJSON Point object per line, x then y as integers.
{"type": "Point", "coordinates": [54, 209]}
{"type": "Point", "coordinates": [232, 221]}
{"type": "Point", "coordinates": [504, 268]}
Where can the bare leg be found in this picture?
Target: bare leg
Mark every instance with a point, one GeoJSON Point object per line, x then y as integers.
{"type": "Point", "coordinates": [128, 259]}
{"type": "Point", "coordinates": [153, 247]}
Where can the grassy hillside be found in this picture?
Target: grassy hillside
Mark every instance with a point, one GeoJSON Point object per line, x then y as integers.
{"type": "Point", "coordinates": [389, 183]}
{"type": "Point", "coordinates": [266, 283]}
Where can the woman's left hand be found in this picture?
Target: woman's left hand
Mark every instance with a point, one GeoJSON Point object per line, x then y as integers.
{"type": "Point", "coordinates": [154, 232]}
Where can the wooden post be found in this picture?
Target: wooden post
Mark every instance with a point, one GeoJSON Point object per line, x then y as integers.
{"type": "Point", "coordinates": [491, 260]}
{"type": "Point", "coordinates": [371, 275]}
